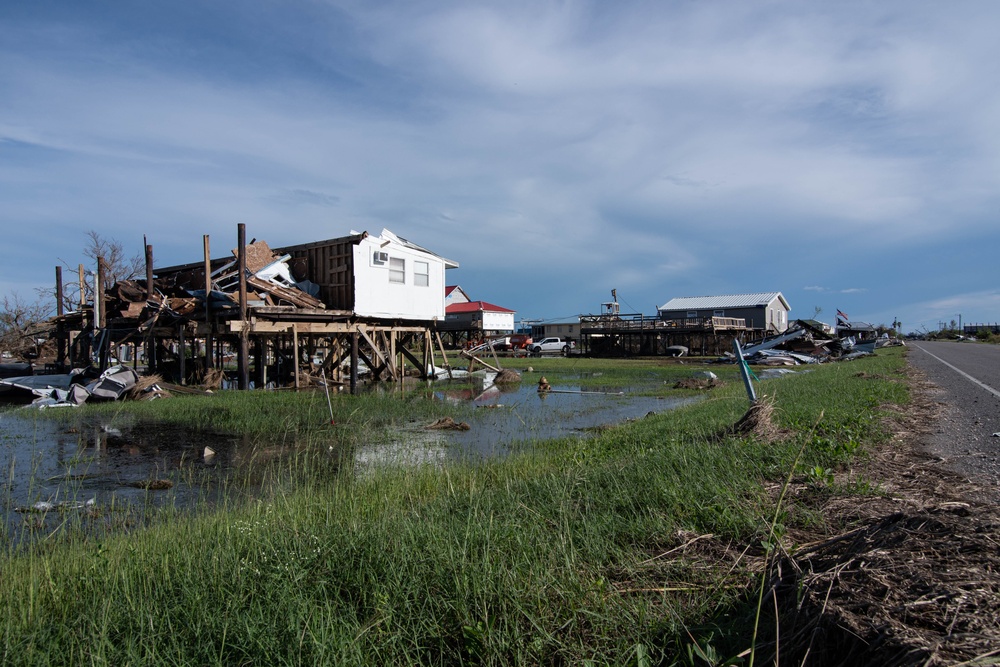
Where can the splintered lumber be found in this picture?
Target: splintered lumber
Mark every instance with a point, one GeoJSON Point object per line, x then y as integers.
{"type": "Point", "coordinates": [258, 255]}
{"type": "Point", "coordinates": [293, 296]}
{"type": "Point", "coordinates": [134, 309]}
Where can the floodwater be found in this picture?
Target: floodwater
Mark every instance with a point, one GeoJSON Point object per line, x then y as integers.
{"type": "Point", "coordinates": [506, 417]}
{"type": "Point", "coordinates": [53, 474]}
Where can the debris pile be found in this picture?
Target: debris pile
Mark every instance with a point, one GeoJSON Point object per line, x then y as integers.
{"type": "Point", "coordinates": [77, 387]}
{"type": "Point", "coordinates": [701, 380]}
{"type": "Point", "coordinates": [806, 342]}
{"type": "Point", "coordinates": [272, 280]}
{"type": "Point", "coordinates": [448, 424]}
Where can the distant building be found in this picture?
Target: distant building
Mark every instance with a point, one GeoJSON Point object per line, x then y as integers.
{"type": "Point", "coordinates": [479, 319]}
{"type": "Point", "coordinates": [860, 330]}
{"type": "Point", "coordinates": [455, 294]}
{"type": "Point", "coordinates": [767, 311]}
{"type": "Point", "coordinates": [567, 330]}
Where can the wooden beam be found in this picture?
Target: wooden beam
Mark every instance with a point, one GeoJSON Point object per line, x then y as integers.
{"type": "Point", "coordinates": [413, 360]}
{"type": "Point", "coordinates": [375, 349]}
{"type": "Point", "coordinates": [83, 287]}
{"type": "Point", "coordinates": [267, 326]}
{"type": "Point", "coordinates": [364, 358]}
{"type": "Point", "coordinates": [444, 355]}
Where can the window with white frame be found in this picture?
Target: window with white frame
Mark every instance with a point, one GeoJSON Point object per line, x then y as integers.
{"type": "Point", "coordinates": [718, 313]}
{"type": "Point", "coordinates": [692, 314]}
{"type": "Point", "coordinates": [421, 274]}
{"type": "Point", "coordinates": [397, 270]}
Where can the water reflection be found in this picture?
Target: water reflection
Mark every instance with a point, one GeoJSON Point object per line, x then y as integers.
{"type": "Point", "coordinates": [53, 473]}
{"type": "Point", "coordinates": [506, 416]}
{"type": "Point", "coordinates": [101, 473]}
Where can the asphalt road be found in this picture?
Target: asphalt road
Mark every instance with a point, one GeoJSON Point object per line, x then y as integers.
{"type": "Point", "coordinates": [968, 378]}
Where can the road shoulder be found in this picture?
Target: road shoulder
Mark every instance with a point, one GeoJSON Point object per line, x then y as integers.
{"type": "Point", "coordinates": [907, 576]}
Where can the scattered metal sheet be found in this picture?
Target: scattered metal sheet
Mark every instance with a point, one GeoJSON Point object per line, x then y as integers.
{"type": "Point", "coordinates": [113, 383]}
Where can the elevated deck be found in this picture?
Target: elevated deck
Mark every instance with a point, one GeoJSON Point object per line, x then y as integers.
{"type": "Point", "coordinates": [637, 334]}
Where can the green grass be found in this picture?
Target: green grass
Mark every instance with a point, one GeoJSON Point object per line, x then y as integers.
{"type": "Point", "coordinates": [543, 557]}
{"type": "Point", "coordinates": [616, 373]}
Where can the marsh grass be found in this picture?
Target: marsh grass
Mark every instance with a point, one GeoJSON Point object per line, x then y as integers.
{"type": "Point", "coordinates": [646, 376]}
{"type": "Point", "coordinates": [548, 556]}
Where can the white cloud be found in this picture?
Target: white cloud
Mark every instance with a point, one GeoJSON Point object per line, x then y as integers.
{"type": "Point", "coordinates": [655, 146]}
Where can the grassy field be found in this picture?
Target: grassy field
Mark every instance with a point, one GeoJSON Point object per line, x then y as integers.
{"type": "Point", "coordinates": [559, 554]}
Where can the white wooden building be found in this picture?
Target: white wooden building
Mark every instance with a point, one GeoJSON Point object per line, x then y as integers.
{"type": "Point", "coordinates": [767, 311]}
{"type": "Point", "coordinates": [383, 277]}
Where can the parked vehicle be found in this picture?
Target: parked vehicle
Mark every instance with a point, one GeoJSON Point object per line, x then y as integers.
{"type": "Point", "coordinates": [550, 345]}
{"type": "Point", "coordinates": [519, 341]}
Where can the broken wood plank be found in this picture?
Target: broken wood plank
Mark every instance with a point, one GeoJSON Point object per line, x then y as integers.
{"type": "Point", "coordinates": [289, 294]}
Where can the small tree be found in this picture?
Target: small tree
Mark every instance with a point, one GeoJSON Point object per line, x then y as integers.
{"type": "Point", "coordinates": [17, 319]}
{"type": "Point", "coordinates": [118, 266]}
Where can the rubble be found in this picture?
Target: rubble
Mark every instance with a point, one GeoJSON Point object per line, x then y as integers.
{"type": "Point", "coordinates": [73, 389]}
{"type": "Point", "coordinates": [806, 343]}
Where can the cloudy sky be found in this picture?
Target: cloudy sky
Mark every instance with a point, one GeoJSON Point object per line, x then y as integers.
{"type": "Point", "coordinates": [846, 154]}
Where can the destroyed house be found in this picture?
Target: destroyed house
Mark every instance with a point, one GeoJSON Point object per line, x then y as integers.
{"type": "Point", "coordinates": [363, 303]}
{"type": "Point", "coordinates": [361, 275]}
{"type": "Point", "coordinates": [859, 330]}
{"type": "Point", "coordinates": [766, 311]}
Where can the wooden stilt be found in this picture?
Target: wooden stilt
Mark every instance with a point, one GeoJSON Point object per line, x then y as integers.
{"type": "Point", "coordinates": [295, 353]}
{"type": "Point", "coordinates": [354, 362]}
{"type": "Point", "coordinates": [243, 354]}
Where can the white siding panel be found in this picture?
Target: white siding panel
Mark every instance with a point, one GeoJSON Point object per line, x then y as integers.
{"type": "Point", "coordinates": [498, 321]}
{"type": "Point", "coordinates": [375, 296]}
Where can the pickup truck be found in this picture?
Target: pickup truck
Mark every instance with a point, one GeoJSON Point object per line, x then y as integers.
{"type": "Point", "coordinates": [550, 345]}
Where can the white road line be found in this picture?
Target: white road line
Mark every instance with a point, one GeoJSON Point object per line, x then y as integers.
{"type": "Point", "coordinates": [962, 373]}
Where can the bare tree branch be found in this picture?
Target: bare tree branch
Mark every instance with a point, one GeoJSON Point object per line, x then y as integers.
{"type": "Point", "coordinates": [17, 320]}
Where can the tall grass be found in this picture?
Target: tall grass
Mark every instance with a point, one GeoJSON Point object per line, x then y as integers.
{"type": "Point", "coordinates": [548, 556]}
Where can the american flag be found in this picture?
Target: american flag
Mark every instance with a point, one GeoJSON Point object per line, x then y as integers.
{"type": "Point", "coordinates": [843, 315]}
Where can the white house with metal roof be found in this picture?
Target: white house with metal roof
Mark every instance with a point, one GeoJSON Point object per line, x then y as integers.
{"type": "Point", "coordinates": [761, 310]}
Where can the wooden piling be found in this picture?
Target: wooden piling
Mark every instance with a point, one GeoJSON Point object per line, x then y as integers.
{"type": "Point", "coordinates": [150, 341]}
{"type": "Point", "coordinates": [243, 353]}
{"type": "Point", "coordinates": [354, 362]}
{"type": "Point", "coordinates": [208, 309]}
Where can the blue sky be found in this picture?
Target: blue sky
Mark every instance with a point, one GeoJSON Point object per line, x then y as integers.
{"type": "Point", "coordinates": [845, 154]}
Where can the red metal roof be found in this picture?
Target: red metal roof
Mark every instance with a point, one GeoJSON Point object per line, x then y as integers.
{"type": "Point", "coordinates": [475, 307]}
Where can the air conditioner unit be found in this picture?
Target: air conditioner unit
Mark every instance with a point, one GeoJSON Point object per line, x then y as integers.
{"type": "Point", "coordinates": [380, 257]}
